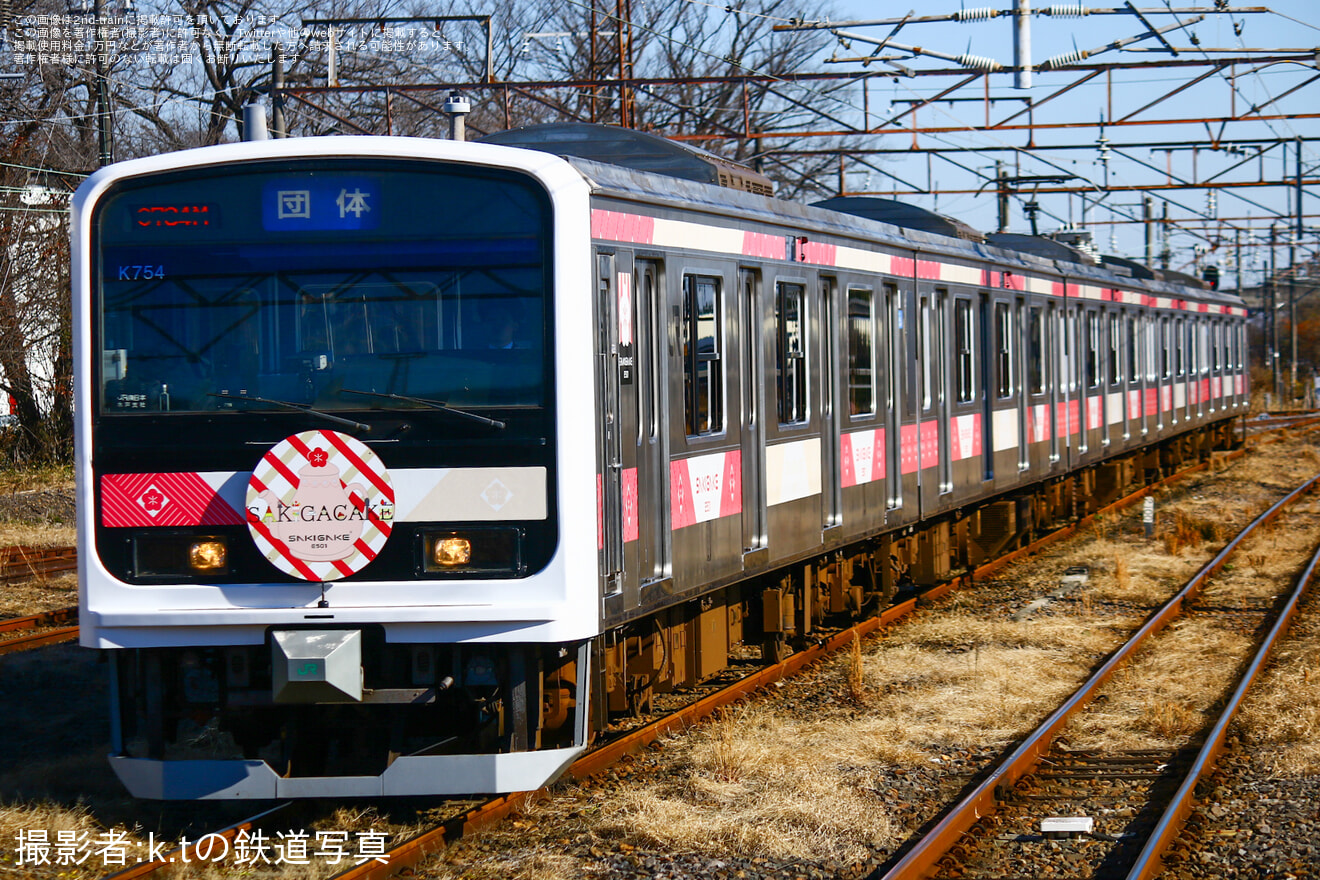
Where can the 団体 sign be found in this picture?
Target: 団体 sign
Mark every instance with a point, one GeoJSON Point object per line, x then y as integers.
{"type": "Point", "coordinates": [320, 203]}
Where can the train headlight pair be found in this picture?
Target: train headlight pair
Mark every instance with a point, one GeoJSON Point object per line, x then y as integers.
{"type": "Point", "coordinates": [489, 552]}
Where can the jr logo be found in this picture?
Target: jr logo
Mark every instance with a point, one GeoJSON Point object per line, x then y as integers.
{"type": "Point", "coordinates": [308, 669]}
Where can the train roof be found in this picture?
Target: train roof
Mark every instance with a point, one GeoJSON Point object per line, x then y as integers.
{"type": "Point", "coordinates": [639, 150]}
{"type": "Point", "coordinates": [649, 187]}
{"type": "Point", "coordinates": [901, 214]}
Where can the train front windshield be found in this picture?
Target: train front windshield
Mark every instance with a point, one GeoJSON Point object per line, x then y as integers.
{"type": "Point", "coordinates": [323, 284]}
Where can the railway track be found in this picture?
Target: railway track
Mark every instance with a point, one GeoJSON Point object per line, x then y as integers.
{"type": "Point", "coordinates": [20, 563]}
{"type": "Point", "coordinates": [1144, 795]}
{"type": "Point", "coordinates": [491, 812]}
{"type": "Point", "coordinates": [202, 850]}
{"type": "Point", "coordinates": [487, 814]}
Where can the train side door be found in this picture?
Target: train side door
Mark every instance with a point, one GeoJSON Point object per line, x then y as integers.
{"type": "Point", "coordinates": [609, 490]}
{"type": "Point", "coordinates": [831, 484]}
{"type": "Point", "coordinates": [932, 412]}
{"type": "Point", "coordinates": [1020, 387]}
{"type": "Point", "coordinates": [1055, 378]}
{"type": "Point", "coordinates": [896, 349]}
{"type": "Point", "coordinates": [652, 381]}
{"type": "Point", "coordinates": [754, 526]}
{"type": "Point", "coordinates": [989, 385]}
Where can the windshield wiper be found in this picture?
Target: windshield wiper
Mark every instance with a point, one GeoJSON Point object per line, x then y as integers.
{"type": "Point", "coordinates": [432, 404]}
{"type": "Point", "coordinates": [301, 407]}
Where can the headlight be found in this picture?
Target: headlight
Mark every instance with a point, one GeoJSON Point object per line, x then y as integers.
{"type": "Point", "coordinates": [209, 555]}
{"type": "Point", "coordinates": [173, 555]}
{"type": "Point", "coordinates": [472, 552]}
{"type": "Point", "coordinates": [450, 551]}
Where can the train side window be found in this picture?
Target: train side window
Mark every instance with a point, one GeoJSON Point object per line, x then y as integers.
{"type": "Point", "coordinates": [1165, 358]}
{"type": "Point", "coordinates": [861, 352]}
{"type": "Point", "coordinates": [790, 352]}
{"type": "Point", "coordinates": [964, 340]}
{"type": "Point", "coordinates": [925, 355]}
{"type": "Point", "coordinates": [1036, 351]}
{"type": "Point", "coordinates": [1092, 365]}
{"type": "Point", "coordinates": [1004, 350]}
{"type": "Point", "coordinates": [1133, 372]}
{"type": "Point", "coordinates": [1179, 359]}
{"type": "Point", "coordinates": [1115, 349]}
{"type": "Point", "coordinates": [703, 367]}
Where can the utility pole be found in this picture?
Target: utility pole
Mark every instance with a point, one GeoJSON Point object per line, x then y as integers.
{"type": "Point", "coordinates": [1022, 44]}
{"type": "Point", "coordinates": [104, 143]}
{"type": "Point", "coordinates": [1274, 318]}
{"type": "Point", "coordinates": [1149, 223]}
{"type": "Point", "coordinates": [1292, 319]}
{"type": "Point", "coordinates": [1292, 278]}
{"type": "Point", "coordinates": [1165, 253]}
{"type": "Point", "coordinates": [276, 91]}
{"type": "Point", "coordinates": [1001, 177]}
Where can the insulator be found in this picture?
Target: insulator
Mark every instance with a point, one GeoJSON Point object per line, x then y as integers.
{"type": "Point", "coordinates": [1063, 60]}
{"type": "Point", "coordinates": [983, 14]}
{"type": "Point", "coordinates": [979, 62]}
{"type": "Point", "coordinates": [1064, 10]}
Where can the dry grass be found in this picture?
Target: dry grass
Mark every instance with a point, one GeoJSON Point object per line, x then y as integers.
{"type": "Point", "coordinates": [1164, 696]}
{"type": "Point", "coordinates": [1280, 720]}
{"type": "Point", "coordinates": [28, 535]}
{"type": "Point", "coordinates": [34, 479]}
{"type": "Point", "coordinates": [1187, 530]}
{"type": "Point", "coordinates": [760, 784]}
{"type": "Point", "coordinates": [955, 681]}
{"type": "Point", "coordinates": [54, 820]}
{"type": "Point", "coordinates": [44, 594]}
{"type": "Point", "coordinates": [856, 674]}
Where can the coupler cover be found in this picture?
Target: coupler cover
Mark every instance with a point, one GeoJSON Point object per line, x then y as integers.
{"type": "Point", "coordinates": [316, 666]}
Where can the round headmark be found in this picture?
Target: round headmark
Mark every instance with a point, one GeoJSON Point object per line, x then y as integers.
{"type": "Point", "coordinates": [320, 505]}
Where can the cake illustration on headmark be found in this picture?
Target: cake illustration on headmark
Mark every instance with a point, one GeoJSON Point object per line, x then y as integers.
{"type": "Point", "coordinates": [310, 522]}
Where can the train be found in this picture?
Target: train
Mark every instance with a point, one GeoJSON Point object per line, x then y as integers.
{"type": "Point", "coordinates": [405, 465]}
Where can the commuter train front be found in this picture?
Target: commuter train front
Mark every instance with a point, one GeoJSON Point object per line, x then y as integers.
{"type": "Point", "coordinates": [330, 396]}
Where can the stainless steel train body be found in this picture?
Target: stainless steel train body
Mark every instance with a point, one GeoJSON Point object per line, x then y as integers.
{"type": "Point", "coordinates": [388, 447]}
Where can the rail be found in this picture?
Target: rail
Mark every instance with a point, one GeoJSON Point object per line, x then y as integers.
{"type": "Point", "coordinates": [923, 858]}
{"type": "Point", "coordinates": [485, 815]}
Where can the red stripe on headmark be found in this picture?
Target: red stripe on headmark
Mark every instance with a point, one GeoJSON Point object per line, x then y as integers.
{"type": "Point", "coordinates": [284, 551]}
{"type": "Point", "coordinates": [333, 439]}
{"type": "Point", "coordinates": [283, 469]}
{"type": "Point", "coordinates": [362, 506]}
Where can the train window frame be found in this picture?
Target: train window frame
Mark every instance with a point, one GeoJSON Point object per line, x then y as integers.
{"type": "Point", "coordinates": [698, 420]}
{"type": "Point", "coordinates": [792, 376]}
{"type": "Point", "coordinates": [1133, 363]}
{"type": "Point", "coordinates": [927, 369]}
{"type": "Point", "coordinates": [1091, 365]}
{"type": "Point", "coordinates": [1166, 359]}
{"type": "Point", "coordinates": [862, 394]}
{"type": "Point", "coordinates": [1004, 351]}
{"type": "Point", "coordinates": [1037, 361]}
{"type": "Point", "coordinates": [1179, 355]}
{"type": "Point", "coordinates": [964, 340]}
{"type": "Point", "coordinates": [1115, 348]}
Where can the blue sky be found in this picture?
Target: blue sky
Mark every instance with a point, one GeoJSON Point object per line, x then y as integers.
{"type": "Point", "coordinates": [1203, 230]}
